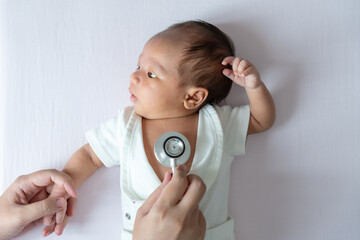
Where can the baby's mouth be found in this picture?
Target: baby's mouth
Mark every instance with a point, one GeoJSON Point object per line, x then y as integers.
{"type": "Point", "coordinates": [133, 98]}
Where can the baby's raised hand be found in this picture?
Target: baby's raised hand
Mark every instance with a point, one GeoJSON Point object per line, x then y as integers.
{"type": "Point", "coordinates": [243, 72]}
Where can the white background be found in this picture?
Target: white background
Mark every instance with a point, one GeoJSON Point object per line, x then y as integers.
{"type": "Point", "coordinates": [65, 68]}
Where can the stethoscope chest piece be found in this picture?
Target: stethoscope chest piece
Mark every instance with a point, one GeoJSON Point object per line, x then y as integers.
{"type": "Point", "coordinates": [172, 149]}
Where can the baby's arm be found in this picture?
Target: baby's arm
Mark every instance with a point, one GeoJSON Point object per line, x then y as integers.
{"type": "Point", "coordinates": [82, 164]}
{"type": "Point", "coordinates": [262, 107]}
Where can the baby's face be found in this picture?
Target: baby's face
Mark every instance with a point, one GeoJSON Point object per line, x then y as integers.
{"type": "Point", "coordinates": [154, 85]}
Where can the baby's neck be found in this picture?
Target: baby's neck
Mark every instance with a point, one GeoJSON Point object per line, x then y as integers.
{"type": "Point", "coordinates": [172, 124]}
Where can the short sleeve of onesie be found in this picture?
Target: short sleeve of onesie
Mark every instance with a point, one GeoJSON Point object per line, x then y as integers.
{"type": "Point", "coordinates": [235, 123]}
{"type": "Point", "coordinates": [107, 138]}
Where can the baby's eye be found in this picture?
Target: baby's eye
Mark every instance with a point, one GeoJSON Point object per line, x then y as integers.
{"type": "Point", "coordinates": [137, 67]}
{"type": "Point", "coordinates": [151, 75]}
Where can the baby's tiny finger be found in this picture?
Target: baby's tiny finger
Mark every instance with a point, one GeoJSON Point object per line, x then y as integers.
{"type": "Point", "coordinates": [243, 65]}
{"type": "Point", "coordinates": [235, 64]}
{"type": "Point", "coordinates": [48, 230]}
{"type": "Point", "coordinates": [48, 220]}
{"type": "Point", "coordinates": [60, 227]}
{"type": "Point", "coordinates": [248, 70]}
{"type": "Point", "coordinates": [71, 207]}
{"type": "Point", "coordinates": [228, 60]}
{"type": "Point", "coordinates": [228, 73]}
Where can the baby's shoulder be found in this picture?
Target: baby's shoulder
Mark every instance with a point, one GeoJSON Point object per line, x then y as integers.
{"type": "Point", "coordinates": [219, 109]}
{"type": "Point", "coordinates": [228, 113]}
{"type": "Point", "coordinates": [228, 108]}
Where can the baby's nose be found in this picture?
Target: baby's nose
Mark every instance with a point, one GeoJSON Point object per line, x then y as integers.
{"type": "Point", "coordinates": [135, 78]}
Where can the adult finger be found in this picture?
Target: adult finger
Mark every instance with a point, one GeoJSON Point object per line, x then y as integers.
{"type": "Point", "coordinates": [202, 224]}
{"type": "Point", "coordinates": [59, 192]}
{"type": "Point", "coordinates": [49, 188]}
{"type": "Point", "coordinates": [39, 196]}
{"type": "Point", "coordinates": [175, 190]}
{"type": "Point", "coordinates": [198, 223]}
{"type": "Point", "coordinates": [60, 215]}
{"type": "Point", "coordinates": [45, 178]}
{"type": "Point", "coordinates": [43, 194]}
{"type": "Point", "coordinates": [36, 210]}
{"type": "Point", "coordinates": [194, 193]}
{"type": "Point", "coordinates": [150, 201]}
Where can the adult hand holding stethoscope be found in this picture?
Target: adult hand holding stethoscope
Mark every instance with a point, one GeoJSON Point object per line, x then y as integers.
{"type": "Point", "coordinates": [172, 212]}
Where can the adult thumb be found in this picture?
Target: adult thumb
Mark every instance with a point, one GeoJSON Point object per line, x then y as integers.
{"type": "Point", "coordinates": [36, 210]}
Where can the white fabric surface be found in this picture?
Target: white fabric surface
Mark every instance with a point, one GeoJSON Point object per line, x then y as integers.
{"type": "Point", "coordinates": [65, 65]}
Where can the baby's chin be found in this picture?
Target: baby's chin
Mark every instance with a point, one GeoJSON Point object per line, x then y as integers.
{"type": "Point", "coordinates": [150, 116]}
{"type": "Point", "coordinates": [144, 114]}
{"type": "Point", "coordinates": [157, 115]}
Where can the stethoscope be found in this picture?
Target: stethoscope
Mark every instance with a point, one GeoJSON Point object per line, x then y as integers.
{"type": "Point", "coordinates": [172, 149]}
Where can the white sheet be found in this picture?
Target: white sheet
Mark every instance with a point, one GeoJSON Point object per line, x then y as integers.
{"type": "Point", "coordinates": [65, 67]}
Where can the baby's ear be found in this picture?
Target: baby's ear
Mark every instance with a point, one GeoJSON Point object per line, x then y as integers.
{"type": "Point", "coordinates": [195, 97]}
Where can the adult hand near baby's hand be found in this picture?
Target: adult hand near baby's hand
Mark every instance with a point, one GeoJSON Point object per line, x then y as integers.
{"type": "Point", "coordinates": [243, 72]}
{"type": "Point", "coordinates": [172, 211]}
{"type": "Point", "coordinates": [26, 200]}
{"type": "Point", "coordinates": [58, 221]}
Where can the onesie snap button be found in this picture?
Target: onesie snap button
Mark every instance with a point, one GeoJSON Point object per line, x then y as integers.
{"type": "Point", "coordinates": [127, 215]}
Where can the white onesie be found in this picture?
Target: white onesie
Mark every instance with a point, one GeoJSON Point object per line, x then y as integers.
{"type": "Point", "coordinates": [221, 135]}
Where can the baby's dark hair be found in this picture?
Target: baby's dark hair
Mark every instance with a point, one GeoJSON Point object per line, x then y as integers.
{"type": "Point", "coordinates": [205, 46]}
